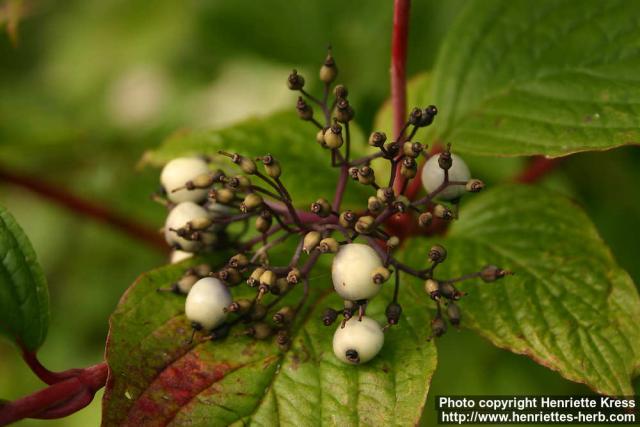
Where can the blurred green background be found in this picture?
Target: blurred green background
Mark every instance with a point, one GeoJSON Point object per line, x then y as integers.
{"type": "Point", "coordinates": [92, 83]}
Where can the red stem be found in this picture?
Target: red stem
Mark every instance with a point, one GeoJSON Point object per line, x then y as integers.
{"type": "Point", "coordinates": [86, 208]}
{"type": "Point", "coordinates": [537, 169]}
{"type": "Point", "coordinates": [47, 376]}
{"type": "Point", "coordinates": [58, 400]}
{"type": "Point", "coordinates": [399, 42]}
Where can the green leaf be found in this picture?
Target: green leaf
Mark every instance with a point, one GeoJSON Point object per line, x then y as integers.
{"type": "Point", "coordinates": [568, 306]}
{"type": "Point", "coordinates": [157, 378]}
{"type": "Point", "coordinates": [553, 79]}
{"type": "Point", "coordinates": [306, 166]}
{"type": "Point", "coordinates": [24, 297]}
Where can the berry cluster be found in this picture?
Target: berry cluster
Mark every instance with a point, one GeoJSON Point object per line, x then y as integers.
{"type": "Point", "coordinates": [203, 203]}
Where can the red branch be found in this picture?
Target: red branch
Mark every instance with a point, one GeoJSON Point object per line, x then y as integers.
{"type": "Point", "coordinates": [86, 208]}
{"type": "Point", "coordinates": [538, 168]}
{"type": "Point", "coordinates": [47, 376]}
{"type": "Point", "coordinates": [399, 43]}
{"type": "Point", "coordinates": [58, 400]}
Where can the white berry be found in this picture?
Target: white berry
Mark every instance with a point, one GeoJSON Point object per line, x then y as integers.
{"type": "Point", "coordinates": [359, 341]}
{"type": "Point", "coordinates": [206, 302]}
{"type": "Point", "coordinates": [351, 271]}
{"type": "Point", "coordinates": [178, 218]}
{"type": "Point", "coordinates": [177, 172]}
{"type": "Point", "coordinates": [178, 255]}
{"type": "Point", "coordinates": [433, 177]}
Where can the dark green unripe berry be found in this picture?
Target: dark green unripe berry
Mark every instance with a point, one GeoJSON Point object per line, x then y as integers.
{"type": "Point", "coordinates": [366, 175]}
{"type": "Point", "coordinates": [377, 139]}
{"type": "Point", "coordinates": [400, 204]}
{"type": "Point", "coordinates": [264, 221]}
{"type": "Point", "coordinates": [340, 91]}
{"type": "Point", "coordinates": [329, 316]}
{"type": "Point", "coordinates": [443, 212]}
{"type": "Point", "coordinates": [448, 291]}
{"type": "Point", "coordinates": [259, 331]}
{"type": "Point", "coordinates": [438, 327]}
{"type": "Point", "coordinates": [293, 277]}
{"type": "Point", "coordinates": [310, 241]}
{"type": "Point", "coordinates": [328, 245]}
{"type": "Point", "coordinates": [347, 219]}
{"type": "Point", "coordinates": [320, 137]}
{"type": "Point", "coordinates": [425, 219]}
{"type": "Point", "coordinates": [374, 205]}
{"type": "Point", "coordinates": [393, 312]}
{"type": "Point", "coordinates": [254, 278]}
{"type": "Point", "coordinates": [328, 71]}
{"type": "Point", "coordinates": [238, 261]}
{"type": "Point", "coordinates": [393, 242]}
{"type": "Point", "coordinates": [415, 117]}
{"type": "Point", "coordinates": [453, 312]}
{"type": "Point", "coordinates": [474, 185]}
{"type": "Point", "coordinates": [283, 316]}
{"type": "Point", "coordinates": [386, 195]}
{"type": "Point", "coordinates": [432, 289]}
{"type": "Point", "coordinates": [271, 166]}
{"type": "Point", "coordinates": [321, 207]}
{"type": "Point", "coordinates": [409, 168]}
{"type": "Point", "coordinates": [251, 202]}
{"type": "Point", "coordinates": [491, 273]}
{"type": "Point", "coordinates": [444, 160]}
{"type": "Point", "coordinates": [437, 253]}
{"type": "Point", "coordinates": [282, 339]}
{"type": "Point", "coordinates": [258, 311]}
{"type": "Point", "coordinates": [333, 136]}
{"type": "Point", "coordinates": [344, 111]}
{"type": "Point", "coordinates": [392, 150]}
{"type": "Point", "coordinates": [305, 112]}
{"type": "Point", "coordinates": [295, 81]}
{"type": "Point", "coordinates": [230, 276]}
{"type": "Point", "coordinates": [364, 224]}
{"type": "Point", "coordinates": [380, 275]}
{"type": "Point", "coordinates": [281, 287]}
{"type": "Point", "coordinates": [222, 195]}
{"type": "Point", "coordinates": [240, 306]}
{"type": "Point", "coordinates": [412, 149]}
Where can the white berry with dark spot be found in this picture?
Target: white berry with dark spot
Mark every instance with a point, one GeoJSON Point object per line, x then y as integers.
{"type": "Point", "coordinates": [351, 271]}
{"type": "Point", "coordinates": [178, 218]}
{"type": "Point", "coordinates": [433, 177]}
{"type": "Point", "coordinates": [359, 341]}
{"type": "Point", "coordinates": [206, 302]}
{"type": "Point", "coordinates": [175, 175]}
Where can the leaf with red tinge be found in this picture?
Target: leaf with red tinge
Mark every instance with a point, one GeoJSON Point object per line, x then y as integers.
{"type": "Point", "coordinates": [157, 378]}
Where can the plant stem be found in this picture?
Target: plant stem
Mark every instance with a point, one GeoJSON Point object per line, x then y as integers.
{"type": "Point", "coordinates": [58, 400]}
{"type": "Point", "coordinates": [87, 208]}
{"type": "Point", "coordinates": [399, 42]}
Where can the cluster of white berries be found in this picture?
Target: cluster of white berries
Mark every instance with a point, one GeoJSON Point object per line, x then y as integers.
{"type": "Point", "coordinates": [190, 226]}
{"type": "Point", "coordinates": [202, 203]}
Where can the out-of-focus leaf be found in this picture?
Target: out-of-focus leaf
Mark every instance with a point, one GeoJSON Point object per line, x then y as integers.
{"type": "Point", "coordinates": [568, 306]}
{"type": "Point", "coordinates": [553, 79]}
{"type": "Point", "coordinates": [157, 378]}
{"type": "Point", "coordinates": [24, 298]}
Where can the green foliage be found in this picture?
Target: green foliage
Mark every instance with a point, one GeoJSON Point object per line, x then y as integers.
{"type": "Point", "coordinates": [553, 79]}
{"type": "Point", "coordinates": [568, 306]}
{"type": "Point", "coordinates": [24, 298]}
{"type": "Point", "coordinates": [306, 166]}
{"type": "Point", "coordinates": [239, 380]}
